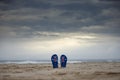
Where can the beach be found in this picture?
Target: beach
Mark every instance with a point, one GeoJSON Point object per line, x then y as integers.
{"type": "Point", "coordinates": [73, 71]}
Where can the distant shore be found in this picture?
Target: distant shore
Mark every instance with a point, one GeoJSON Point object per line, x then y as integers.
{"type": "Point", "coordinates": [74, 71]}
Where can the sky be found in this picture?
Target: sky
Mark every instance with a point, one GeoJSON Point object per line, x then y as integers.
{"type": "Point", "coordinates": [80, 29]}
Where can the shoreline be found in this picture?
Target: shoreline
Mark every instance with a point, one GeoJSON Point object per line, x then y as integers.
{"type": "Point", "coordinates": [49, 61]}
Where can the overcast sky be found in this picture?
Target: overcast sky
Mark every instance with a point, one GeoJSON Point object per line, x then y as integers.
{"type": "Point", "coordinates": [80, 29]}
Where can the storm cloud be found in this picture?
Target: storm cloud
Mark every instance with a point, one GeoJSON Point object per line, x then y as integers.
{"type": "Point", "coordinates": [42, 23]}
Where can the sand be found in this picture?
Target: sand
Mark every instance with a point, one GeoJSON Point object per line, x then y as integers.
{"type": "Point", "coordinates": [74, 71]}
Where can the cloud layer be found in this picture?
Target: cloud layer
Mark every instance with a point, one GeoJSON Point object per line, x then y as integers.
{"type": "Point", "coordinates": [71, 23]}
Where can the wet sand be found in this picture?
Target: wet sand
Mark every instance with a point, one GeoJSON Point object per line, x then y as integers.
{"type": "Point", "coordinates": [74, 71]}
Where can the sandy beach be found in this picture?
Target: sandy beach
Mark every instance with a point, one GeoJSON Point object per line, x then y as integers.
{"type": "Point", "coordinates": [74, 71]}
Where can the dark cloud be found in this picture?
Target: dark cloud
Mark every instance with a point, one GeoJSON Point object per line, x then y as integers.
{"type": "Point", "coordinates": [13, 4]}
{"type": "Point", "coordinates": [110, 0]}
{"type": "Point", "coordinates": [6, 1]}
{"type": "Point", "coordinates": [76, 27]}
{"type": "Point", "coordinates": [60, 16]}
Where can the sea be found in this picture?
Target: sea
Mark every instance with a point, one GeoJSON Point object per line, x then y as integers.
{"type": "Point", "coordinates": [49, 61]}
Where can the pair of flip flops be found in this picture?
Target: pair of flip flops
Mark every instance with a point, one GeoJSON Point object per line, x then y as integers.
{"type": "Point", "coordinates": [63, 61]}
